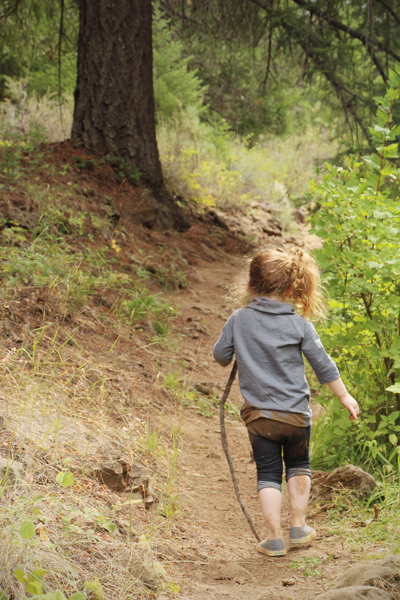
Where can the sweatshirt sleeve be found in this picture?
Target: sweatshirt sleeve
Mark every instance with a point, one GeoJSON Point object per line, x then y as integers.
{"type": "Point", "coordinates": [224, 350]}
{"type": "Point", "coordinates": [322, 364]}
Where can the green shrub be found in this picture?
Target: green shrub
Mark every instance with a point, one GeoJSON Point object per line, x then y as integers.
{"type": "Point", "coordinates": [175, 86]}
{"type": "Point", "coordinates": [359, 221]}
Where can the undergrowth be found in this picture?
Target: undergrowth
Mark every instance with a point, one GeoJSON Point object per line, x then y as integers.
{"type": "Point", "coordinates": [203, 162]}
{"type": "Point", "coordinates": [63, 532]}
{"type": "Point", "coordinates": [207, 164]}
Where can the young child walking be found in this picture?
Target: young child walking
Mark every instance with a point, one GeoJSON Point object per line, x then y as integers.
{"type": "Point", "coordinates": [268, 339]}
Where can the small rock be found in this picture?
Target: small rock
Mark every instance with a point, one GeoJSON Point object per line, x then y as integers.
{"type": "Point", "coordinates": [237, 573]}
{"type": "Point", "coordinates": [201, 328]}
{"type": "Point", "coordinates": [119, 476]}
{"type": "Point", "coordinates": [216, 219]}
{"type": "Point", "coordinates": [363, 575]}
{"type": "Point", "coordinates": [287, 582]}
{"type": "Point", "coordinates": [214, 455]}
{"type": "Point", "coordinates": [204, 309]}
{"type": "Point", "coordinates": [145, 570]}
{"type": "Point", "coordinates": [113, 474]}
{"type": "Point", "coordinates": [206, 388]}
{"type": "Point", "coordinates": [348, 477]}
{"type": "Point", "coordinates": [357, 592]}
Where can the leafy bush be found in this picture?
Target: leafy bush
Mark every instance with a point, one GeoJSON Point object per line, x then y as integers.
{"type": "Point", "coordinates": [359, 221]}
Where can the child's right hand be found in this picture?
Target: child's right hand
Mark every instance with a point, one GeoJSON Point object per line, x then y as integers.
{"type": "Point", "coordinates": [351, 404]}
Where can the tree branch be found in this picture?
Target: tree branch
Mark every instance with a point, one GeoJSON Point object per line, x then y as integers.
{"type": "Point", "coordinates": [13, 8]}
{"type": "Point", "coordinates": [390, 10]}
{"type": "Point", "coordinates": [312, 50]}
{"type": "Point", "coordinates": [362, 37]}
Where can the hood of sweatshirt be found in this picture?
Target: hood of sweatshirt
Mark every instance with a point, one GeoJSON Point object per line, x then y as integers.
{"type": "Point", "coordinates": [274, 307]}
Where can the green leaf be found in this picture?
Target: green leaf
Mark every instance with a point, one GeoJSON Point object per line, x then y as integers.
{"type": "Point", "coordinates": [38, 574]}
{"type": "Point", "coordinates": [27, 530]}
{"type": "Point", "coordinates": [60, 477]}
{"type": "Point", "coordinates": [3, 595]}
{"type": "Point", "coordinates": [393, 439]}
{"type": "Point", "coordinates": [33, 588]}
{"type": "Point", "coordinates": [20, 575]}
{"type": "Point", "coordinates": [394, 388]}
{"type": "Point", "coordinates": [78, 596]}
{"type": "Point", "coordinates": [65, 478]}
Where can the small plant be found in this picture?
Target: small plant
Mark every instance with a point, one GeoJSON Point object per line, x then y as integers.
{"type": "Point", "coordinates": [81, 163]}
{"type": "Point", "coordinates": [150, 444]}
{"type": "Point", "coordinates": [95, 588]}
{"type": "Point", "coordinates": [173, 381]}
{"type": "Point", "coordinates": [143, 305]}
{"type": "Point", "coordinates": [65, 478]}
{"type": "Point", "coordinates": [33, 586]}
{"type": "Point", "coordinates": [125, 171]}
{"type": "Point", "coordinates": [309, 566]}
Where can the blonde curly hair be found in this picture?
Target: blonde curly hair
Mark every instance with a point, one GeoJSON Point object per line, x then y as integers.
{"type": "Point", "coordinates": [276, 272]}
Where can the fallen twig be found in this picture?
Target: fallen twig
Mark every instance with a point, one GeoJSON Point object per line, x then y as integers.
{"type": "Point", "coordinates": [224, 441]}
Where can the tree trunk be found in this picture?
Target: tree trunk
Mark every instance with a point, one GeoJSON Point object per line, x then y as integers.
{"type": "Point", "coordinates": [114, 111]}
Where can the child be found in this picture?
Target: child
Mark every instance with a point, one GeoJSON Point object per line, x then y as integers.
{"type": "Point", "coordinates": [268, 339]}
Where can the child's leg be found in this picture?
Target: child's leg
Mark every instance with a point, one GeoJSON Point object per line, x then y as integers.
{"type": "Point", "coordinates": [298, 473]}
{"type": "Point", "coordinates": [270, 499]}
{"type": "Point", "coordinates": [299, 493]}
{"type": "Point", "coordinates": [267, 450]}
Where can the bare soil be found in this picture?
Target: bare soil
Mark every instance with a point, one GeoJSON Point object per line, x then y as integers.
{"type": "Point", "coordinates": [217, 532]}
{"type": "Point", "coordinates": [208, 547]}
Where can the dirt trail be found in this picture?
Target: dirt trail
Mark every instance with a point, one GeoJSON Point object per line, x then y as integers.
{"type": "Point", "coordinates": [219, 544]}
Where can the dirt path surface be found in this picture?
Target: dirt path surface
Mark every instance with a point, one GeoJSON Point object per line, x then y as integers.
{"type": "Point", "coordinates": [217, 555]}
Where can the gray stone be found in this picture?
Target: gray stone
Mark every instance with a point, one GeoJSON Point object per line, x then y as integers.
{"type": "Point", "coordinates": [45, 430]}
{"type": "Point", "coordinates": [10, 474]}
{"type": "Point", "coordinates": [364, 575]}
{"type": "Point", "coordinates": [391, 561]}
{"type": "Point", "coordinates": [348, 477]}
{"type": "Point", "coordinates": [113, 474]}
{"type": "Point", "coordinates": [357, 592]}
{"type": "Point", "coordinates": [144, 567]}
{"type": "Point", "coordinates": [119, 476]}
{"type": "Point", "coordinates": [237, 573]}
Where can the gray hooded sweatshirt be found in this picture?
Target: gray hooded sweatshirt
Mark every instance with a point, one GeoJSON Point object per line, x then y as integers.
{"type": "Point", "coordinates": [268, 339]}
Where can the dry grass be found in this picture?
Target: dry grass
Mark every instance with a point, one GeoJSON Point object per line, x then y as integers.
{"type": "Point", "coordinates": [52, 425]}
{"type": "Point", "coordinates": [22, 114]}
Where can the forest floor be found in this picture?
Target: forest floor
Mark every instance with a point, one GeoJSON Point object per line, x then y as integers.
{"type": "Point", "coordinates": [85, 389]}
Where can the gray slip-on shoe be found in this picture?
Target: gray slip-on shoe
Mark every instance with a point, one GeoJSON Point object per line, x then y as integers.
{"type": "Point", "coordinates": [272, 547]}
{"type": "Point", "coordinates": [301, 535]}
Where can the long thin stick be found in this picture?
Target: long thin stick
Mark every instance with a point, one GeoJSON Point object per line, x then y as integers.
{"type": "Point", "coordinates": [224, 441]}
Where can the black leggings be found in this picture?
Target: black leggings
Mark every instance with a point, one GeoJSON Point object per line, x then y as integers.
{"type": "Point", "coordinates": [268, 438]}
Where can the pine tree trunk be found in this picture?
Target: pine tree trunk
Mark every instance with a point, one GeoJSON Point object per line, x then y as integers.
{"type": "Point", "coordinates": [114, 111]}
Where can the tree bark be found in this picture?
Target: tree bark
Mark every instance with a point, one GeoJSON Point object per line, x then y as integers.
{"type": "Point", "coordinates": [114, 110]}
